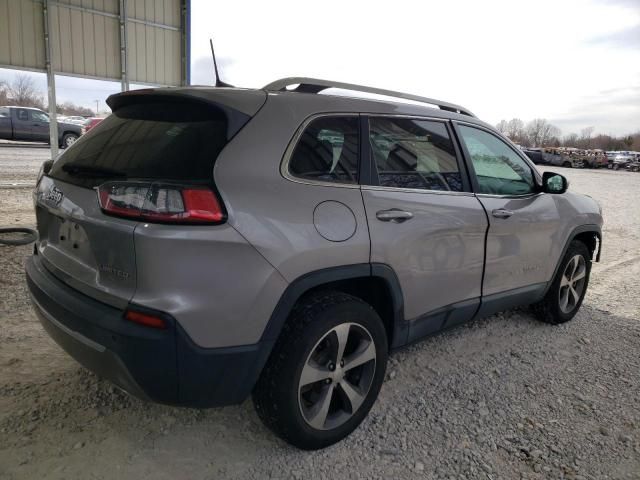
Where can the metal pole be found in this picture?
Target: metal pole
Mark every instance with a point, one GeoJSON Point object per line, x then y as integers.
{"type": "Point", "coordinates": [124, 73]}
{"type": "Point", "coordinates": [51, 83]}
{"type": "Point", "coordinates": [186, 42]}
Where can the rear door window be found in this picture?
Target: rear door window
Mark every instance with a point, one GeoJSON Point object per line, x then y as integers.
{"type": "Point", "coordinates": [164, 141]}
{"type": "Point", "coordinates": [328, 150]}
{"type": "Point", "coordinates": [414, 153]}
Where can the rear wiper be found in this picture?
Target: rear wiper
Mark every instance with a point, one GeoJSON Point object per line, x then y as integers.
{"type": "Point", "coordinates": [80, 170]}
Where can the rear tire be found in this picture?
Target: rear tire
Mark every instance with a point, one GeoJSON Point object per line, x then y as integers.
{"type": "Point", "coordinates": [325, 328]}
{"type": "Point", "coordinates": [565, 295]}
{"type": "Point", "coordinates": [566, 164]}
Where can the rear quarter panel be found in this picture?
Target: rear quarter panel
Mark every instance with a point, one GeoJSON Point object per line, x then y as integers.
{"type": "Point", "coordinates": [274, 214]}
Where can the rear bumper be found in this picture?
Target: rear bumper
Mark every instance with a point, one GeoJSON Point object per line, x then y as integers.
{"type": "Point", "coordinates": [160, 365]}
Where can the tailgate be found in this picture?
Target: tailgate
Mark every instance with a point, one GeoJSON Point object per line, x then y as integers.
{"type": "Point", "coordinates": [81, 246]}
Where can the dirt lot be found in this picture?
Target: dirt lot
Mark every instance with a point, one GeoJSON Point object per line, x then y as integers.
{"type": "Point", "coordinates": [503, 397]}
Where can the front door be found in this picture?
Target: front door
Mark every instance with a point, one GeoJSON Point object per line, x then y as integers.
{"type": "Point", "coordinates": [424, 221]}
{"type": "Point", "coordinates": [524, 223]}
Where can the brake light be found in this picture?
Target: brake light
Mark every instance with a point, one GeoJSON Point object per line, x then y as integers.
{"type": "Point", "coordinates": [161, 203]}
{"type": "Point", "coordinates": [145, 319]}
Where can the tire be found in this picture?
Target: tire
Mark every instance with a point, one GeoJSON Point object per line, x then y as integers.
{"type": "Point", "coordinates": [552, 308]}
{"type": "Point", "coordinates": [68, 139]}
{"type": "Point", "coordinates": [566, 164]}
{"type": "Point", "coordinates": [309, 343]}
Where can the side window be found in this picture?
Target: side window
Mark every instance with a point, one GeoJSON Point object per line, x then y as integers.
{"type": "Point", "coordinates": [328, 151]}
{"type": "Point", "coordinates": [39, 116]}
{"type": "Point", "coordinates": [411, 153]}
{"type": "Point", "coordinates": [23, 114]}
{"type": "Point", "coordinates": [499, 170]}
{"type": "Point", "coordinates": [4, 112]}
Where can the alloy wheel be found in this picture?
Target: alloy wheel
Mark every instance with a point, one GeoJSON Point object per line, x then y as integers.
{"type": "Point", "coordinates": [572, 283]}
{"type": "Point", "coordinates": [337, 376]}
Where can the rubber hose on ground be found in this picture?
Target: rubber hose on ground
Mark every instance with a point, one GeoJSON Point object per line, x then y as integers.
{"type": "Point", "coordinates": [28, 235]}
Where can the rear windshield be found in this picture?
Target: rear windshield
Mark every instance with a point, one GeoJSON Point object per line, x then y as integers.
{"type": "Point", "coordinates": [169, 141]}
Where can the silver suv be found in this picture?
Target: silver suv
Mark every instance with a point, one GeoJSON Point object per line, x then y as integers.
{"type": "Point", "coordinates": [204, 244]}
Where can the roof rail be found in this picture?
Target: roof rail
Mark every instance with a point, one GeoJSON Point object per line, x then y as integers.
{"type": "Point", "coordinates": [316, 85]}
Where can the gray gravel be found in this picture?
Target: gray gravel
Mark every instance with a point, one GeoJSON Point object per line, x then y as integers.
{"type": "Point", "coordinates": [503, 397]}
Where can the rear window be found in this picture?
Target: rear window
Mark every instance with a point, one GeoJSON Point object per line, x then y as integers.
{"type": "Point", "coordinates": [168, 141]}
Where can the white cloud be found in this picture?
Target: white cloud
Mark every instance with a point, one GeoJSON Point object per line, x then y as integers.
{"type": "Point", "coordinates": [500, 59]}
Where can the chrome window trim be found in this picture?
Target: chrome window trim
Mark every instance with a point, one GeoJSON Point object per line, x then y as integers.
{"type": "Point", "coordinates": [284, 165]}
{"type": "Point", "coordinates": [415, 190]}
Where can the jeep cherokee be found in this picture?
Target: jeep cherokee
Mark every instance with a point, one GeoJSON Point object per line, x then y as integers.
{"type": "Point", "coordinates": [205, 244]}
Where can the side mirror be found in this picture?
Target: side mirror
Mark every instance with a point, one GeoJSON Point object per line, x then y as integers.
{"type": "Point", "coordinates": [554, 183]}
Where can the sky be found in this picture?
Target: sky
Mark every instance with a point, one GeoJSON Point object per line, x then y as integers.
{"type": "Point", "coordinates": [573, 62]}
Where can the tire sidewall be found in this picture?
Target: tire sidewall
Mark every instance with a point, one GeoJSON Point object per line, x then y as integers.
{"type": "Point", "coordinates": [352, 312]}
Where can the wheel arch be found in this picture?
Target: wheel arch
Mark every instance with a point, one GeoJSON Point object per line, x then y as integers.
{"type": "Point", "coordinates": [376, 284]}
{"type": "Point", "coordinates": [590, 235]}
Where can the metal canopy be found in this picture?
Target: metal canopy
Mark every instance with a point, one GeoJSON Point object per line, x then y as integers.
{"type": "Point", "coordinates": [130, 41]}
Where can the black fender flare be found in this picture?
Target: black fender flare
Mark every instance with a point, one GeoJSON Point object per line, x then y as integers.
{"type": "Point", "coordinates": [308, 281]}
{"type": "Point", "coordinates": [587, 228]}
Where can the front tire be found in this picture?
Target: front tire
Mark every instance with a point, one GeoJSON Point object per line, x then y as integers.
{"type": "Point", "coordinates": [325, 371]}
{"type": "Point", "coordinates": [566, 293]}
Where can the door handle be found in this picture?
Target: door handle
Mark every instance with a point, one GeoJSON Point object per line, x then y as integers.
{"type": "Point", "coordinates": [394, 215]}
{"type": "Point", "coordinates": [501, 213]}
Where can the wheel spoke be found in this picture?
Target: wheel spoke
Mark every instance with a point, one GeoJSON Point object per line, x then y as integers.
{"type": "Point", "coordinates": [353, 395]}
{"type": "Point", "coordinates": [575, 296]}
{"type": "Point", "coordinates": [565, 281]}
{"type": "Point", "coordinates": [564, 298]}
{"type": "Point", "coordinates": [313, 373]}
{"type": "Point", "coordinates": [318, 416]}
{"type": "Point", "coordinates": [342, 332]}
{"type": "Point", "coordinates": [360, 357]}
{"type": "Point", "coordinates": [580, 275]}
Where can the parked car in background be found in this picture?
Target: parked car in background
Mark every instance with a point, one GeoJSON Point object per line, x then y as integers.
{"type": "Point", "coordinates": [32, 125]}
{"type": "Point", "coordinates": [621, 161]}
{"type": "Point", "coordinates": [534, 154]}
{"type": "Point", "coordinates": [90, 123]}
{"type": "Point", "coordinates": [77, 119]}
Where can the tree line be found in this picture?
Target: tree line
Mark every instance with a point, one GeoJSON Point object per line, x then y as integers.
{"type": "Point", "coordinates": [540, 133]}
{"type": "Point", "coordinates": [22, 92]}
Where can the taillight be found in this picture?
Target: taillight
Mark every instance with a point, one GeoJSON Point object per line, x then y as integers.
{"type": "Point", "coordinates": [145, 319]}
{"type": "Point", "coordinates": [161, 203]}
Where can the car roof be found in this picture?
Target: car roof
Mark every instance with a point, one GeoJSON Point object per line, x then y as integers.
{"type": "Point", "coordinates": [311, 92]}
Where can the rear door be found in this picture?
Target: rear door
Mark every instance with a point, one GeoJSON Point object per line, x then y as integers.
{"type": "Point", "coordinates": [21, 124]}
{"type": "Point", "coordinates": [524, 223]}
{"type": "Point", "coordinates": [424, 221]}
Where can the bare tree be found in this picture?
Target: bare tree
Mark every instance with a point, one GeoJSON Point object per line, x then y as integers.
{"type": "Point", "coordinates": [585, 137]}
{"type": "Point", "coordinates": [70, 108]}
{"type": "Point", "coordinates": [4, 93]}
{"type": "Point", "coordinates": [22, 92]}
{"type": "Point", "coordinates": [515, 129]}
{"type": "Point", "coordinates": [502, 126]}
{"type": "Point", "coordinates": [541, 132]}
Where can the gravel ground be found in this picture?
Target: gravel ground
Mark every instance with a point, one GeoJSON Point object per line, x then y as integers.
{"type": "Point", "coordinates": [502, 397]}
